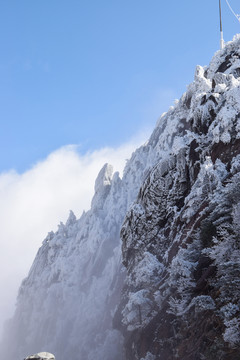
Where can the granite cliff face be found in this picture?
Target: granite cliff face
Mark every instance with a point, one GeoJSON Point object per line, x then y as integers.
{"type": "Point", "coordinates": [181, 238]}
{"type": "Point", "coordinates": [67, 303]}
{"type": "Point", "coordinates": [177, 293]}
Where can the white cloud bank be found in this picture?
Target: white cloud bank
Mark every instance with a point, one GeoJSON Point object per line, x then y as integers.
{"type": "Point", "coordinates": [34, 203]}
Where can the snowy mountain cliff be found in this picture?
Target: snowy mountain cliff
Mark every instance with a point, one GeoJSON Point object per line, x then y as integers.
{"type": "Point", "coordinates": [169, 288]}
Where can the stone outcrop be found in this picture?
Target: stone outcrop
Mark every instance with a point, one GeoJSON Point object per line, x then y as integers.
{"type": "Point", "coordinates": [180, 239]}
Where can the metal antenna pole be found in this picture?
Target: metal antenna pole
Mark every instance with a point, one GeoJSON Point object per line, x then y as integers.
{"type": "Point", "coordinates": [221, 31]}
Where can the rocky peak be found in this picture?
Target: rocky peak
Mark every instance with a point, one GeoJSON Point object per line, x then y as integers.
{"type": "Point", "coordinates": [180, 234]}
{"type": "Point", "coordinates": [104, 177]}
{"type": "Point", "coordinates": [102, 186]}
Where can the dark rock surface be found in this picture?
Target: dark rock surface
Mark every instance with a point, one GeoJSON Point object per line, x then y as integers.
{"type": "Point", "coordinates": [181, 238]}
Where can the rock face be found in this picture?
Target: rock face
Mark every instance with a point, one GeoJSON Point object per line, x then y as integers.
{"type": "Point", "coordinates": [67, 302]}
{"type": "Point", "coordinates": [177, 295]}
{"type": "Point", "coordinates": [41, 356]}
{"type": "Point", "coordinates": [181, 238]}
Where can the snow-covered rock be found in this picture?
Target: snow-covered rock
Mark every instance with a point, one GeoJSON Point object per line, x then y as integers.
{"type": "Point", "coordinates": [179, 196]}
{"type": "Point", "coordinates": [41, 356]}
{"type": "Point", "coordinates": [182, 300]}
{"type": "Point", "coordinates": [67, 302]}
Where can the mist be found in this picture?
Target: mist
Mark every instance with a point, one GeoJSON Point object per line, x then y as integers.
{"type": "Point", "coordinates": [35, 202]}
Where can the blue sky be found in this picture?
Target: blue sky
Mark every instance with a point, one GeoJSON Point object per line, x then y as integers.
{"type": "Point", "coordinates": [94, 73]}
